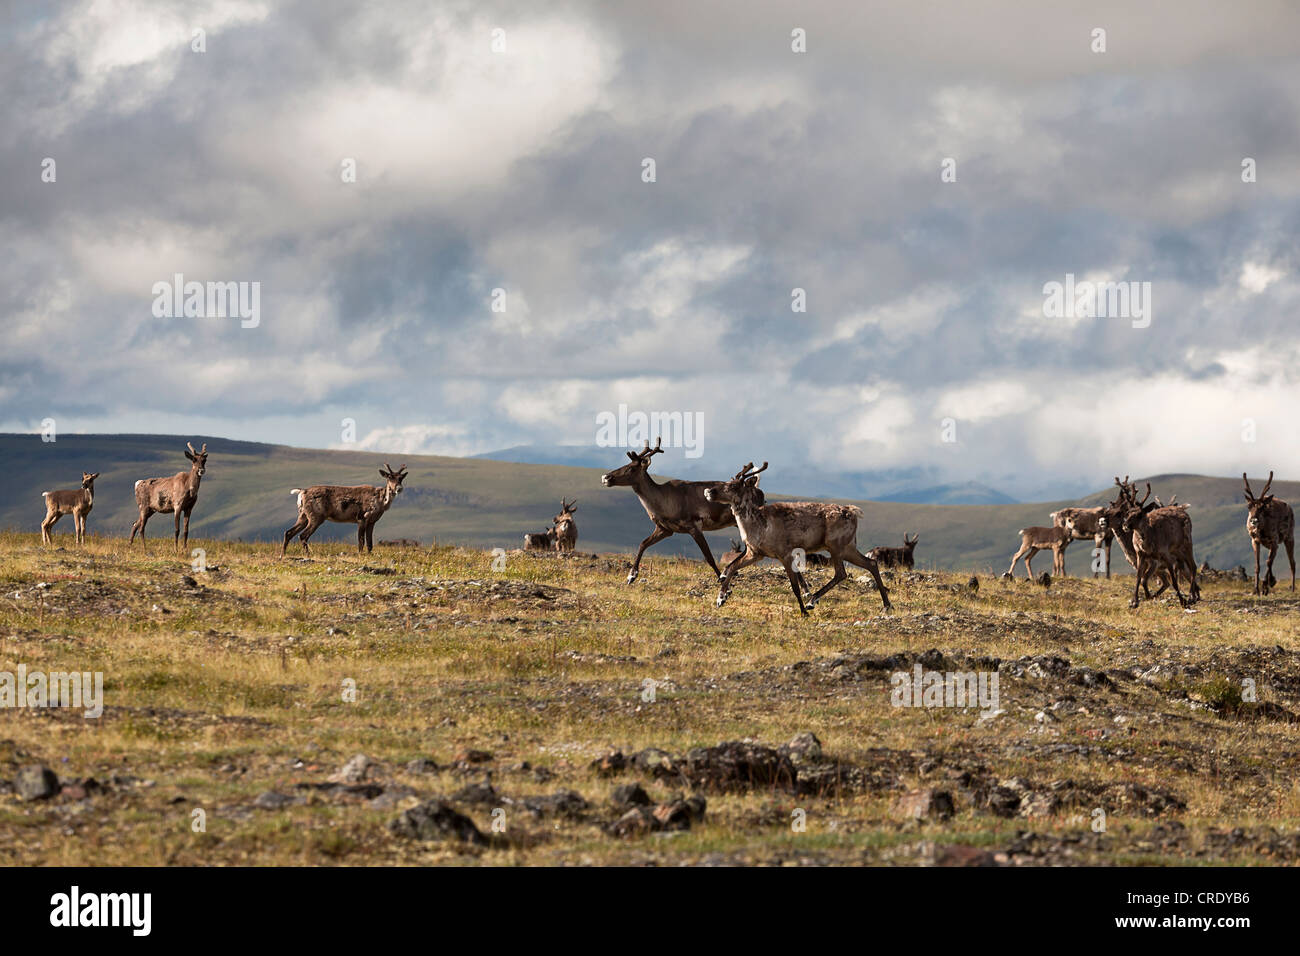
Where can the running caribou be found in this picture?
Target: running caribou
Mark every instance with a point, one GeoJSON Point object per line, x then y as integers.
{"type": "Point", "coordinates": [787, 531]}
{"type": "Point", "coordinates": [675, 506]}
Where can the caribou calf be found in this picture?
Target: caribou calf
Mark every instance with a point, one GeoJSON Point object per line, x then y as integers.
{"type": "Point", "coordinates": [364, 504]}
{"type": "Point", "coordinates": [1086, 524]}
{"type": "Point", "coordinates": [1033, 540]}
{"type": "Point", "coordinates": [174, 495]}
{"type": "Point", "coordinates": [566, 531]}
{"type": "Point", "coordinates": [76, 502]}
{"type": "Point", "coordinates": [785, 529]}
{"type": "Point", "coordinates": [896, 557]}
{"type": "Point", "coordinates": [1270, 523]}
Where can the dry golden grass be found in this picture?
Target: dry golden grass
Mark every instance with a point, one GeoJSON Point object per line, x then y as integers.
{"type": "Point", "coordinates": [213, 694]}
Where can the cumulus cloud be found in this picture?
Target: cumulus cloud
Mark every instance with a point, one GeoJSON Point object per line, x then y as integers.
{"type": "Point", "coordinates": [512, 161]}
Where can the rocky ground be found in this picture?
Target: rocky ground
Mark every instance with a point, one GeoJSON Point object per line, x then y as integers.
{"type": "Point", "coordinates": [416, 706]}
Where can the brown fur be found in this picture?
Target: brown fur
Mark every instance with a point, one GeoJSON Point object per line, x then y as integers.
{"type": "Point", "coordinates": [1085, 524]}
{"type": "Point", "coordinates": [175, 495]}
{"type": "Point", "coordinates": [566, 530]}
{"type": "Point", "coordinates": [782, 529]}
{"type": "Point", "coordinates": [896, 557]}
{"type": "Point", "coordinates": [675, 506]}
{"type": "Point", "coordinates": [1270, 523]}
{"type": "Point", "coordinates": [1162, 540]}
{"type": "Point", "coordinates": [540, 540]}
{"type": "Point", "coordinates": [1033, 540]}
{"type": "Point", "coordinates": [364, 504]}
{"type": "Point", "coordinates": [77, 503]}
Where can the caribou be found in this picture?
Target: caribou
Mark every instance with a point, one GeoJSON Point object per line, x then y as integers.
{"type": "Point", "coordinates": [172, 495]}
{"type": "Point", "coordinates": [364, 504]}
{"type": "Point", "coordinates": [1270, 522]}
{"type": "Point", "coordinates": [76, 502]}
{"type": "Point", "coordinates": [1162, 541]}
{"type": "Point", "coordinates": [1033, 540]}
{"type": "Point", "coordinates": [896, 557]}
{"type": "Point", "coordinates": [788, 531]}
{"type": "Point", "coordinates": [675, 506]}
{"type": "Point", "coordinates": [565, 529]}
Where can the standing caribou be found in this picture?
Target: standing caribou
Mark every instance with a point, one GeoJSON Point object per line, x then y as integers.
{"type": "Point", "coordinates": [1270, 523]}
{"type": "Point", "coordinates": [896, 557]}
{"type": "Point", "coordinates": [788, 530]}
{"type": "Point", "coordinates": [566, 531]}
{"type": "Point", "coordinates": [364, 504]}
{"type": "Point", "coordinates": [76, 502]}
{"type": "Point", "coordinates": [1162, 540]}
{"type": "Point", "coordinates": [675, 506]}
{"type": "Point", "coordinates": [1033, 540]}
{"type": "Point", "coordinates": [172, 495]}
{"type": "Point", "coordinates": [1085, 524]}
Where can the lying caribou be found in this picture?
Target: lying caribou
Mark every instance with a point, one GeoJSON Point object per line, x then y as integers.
{"type": "Point", "coordinates": [540, 540]}
{"type": "Point", "coordinates": [896, 557]}
{"type": "Point", "coordinates": [364, 504]}
{"type": "Point", "coordinates": [1270, 523]}
{"type": "Point", "coordinates": [784, 530]}
{"type": "Point", "coordinates": [675, 506]}
{"type": "Point", "coordinates": [172, 495]}
{"type": "Point", "coordinates": [76, 502]}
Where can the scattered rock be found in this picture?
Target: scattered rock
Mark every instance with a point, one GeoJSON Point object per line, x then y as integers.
{"type": "Point", "coordinates": [926, 804]}
{"type": "Point", "coordinates": [275, 801]}
{"type": "Point", "coordinates": [354, 771]}
{"type": "Point", "coordinates": [437, 820]}
{"type": "Point", "coordinates": [36, 782]}
{"type": "Point", "coordinates": [629, 795]}
{"type": "Point", "coordinates": [422, 765]}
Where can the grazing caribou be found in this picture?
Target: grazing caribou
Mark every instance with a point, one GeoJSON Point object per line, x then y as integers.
{"type": "Point", "coordinates": [364, 504]}
{"type": "Point", "coordinates": [1270, 523]}
{"type": "Point", "coordinates": [76, 502]}
{"type": "Point", "coordinates": [786, 529]}
{"type": "Point", "coordinates": [675, 506]}
{"type": "Point", "coordinates": [174, 495]}
{"type": "Point", "coordinates": [896, 557]}
{"type": "Point", "coordinates": [566, 531]}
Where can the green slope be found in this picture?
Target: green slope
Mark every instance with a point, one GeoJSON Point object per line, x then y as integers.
{"type": "Point", "coordinates": [484, 503]}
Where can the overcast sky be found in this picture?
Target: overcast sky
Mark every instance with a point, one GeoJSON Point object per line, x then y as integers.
{"type": "Point", "coordinates": [522, 170]}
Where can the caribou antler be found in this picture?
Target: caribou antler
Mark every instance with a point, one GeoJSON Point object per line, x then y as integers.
{"type": "Point", "coordinates": [1267, 484]}
{"type": "Point", "coordinates": [1249, 494]}
{"type": "Point", "coordinates": [748, 472]}
{"type": "Point", "coordinates": [1146, 496]}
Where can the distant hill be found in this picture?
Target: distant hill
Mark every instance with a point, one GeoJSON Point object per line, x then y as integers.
{"type": "Point", "coordinates": [966, 493]}
{"type": "Point", "coordinates": [896, 484]}
{"type": "Point", "coordinates": [487, 503]}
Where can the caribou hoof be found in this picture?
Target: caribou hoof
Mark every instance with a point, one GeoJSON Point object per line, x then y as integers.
{"type": "Point", "coordinates": [722, 599]}
{"type": "Point", "coordinates": [1133, 602]}
{"type": "Point", "coordinates": [631, 576]}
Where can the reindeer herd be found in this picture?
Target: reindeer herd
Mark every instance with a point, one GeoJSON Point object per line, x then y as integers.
{"type": "Point", "coordinates": [1156, 539]}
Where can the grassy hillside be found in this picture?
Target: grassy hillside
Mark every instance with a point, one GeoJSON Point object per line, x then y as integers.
{"type": "Point", "coordinates": [485, 504]}
{"type": "Point", "coordinates": [519, 698]}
